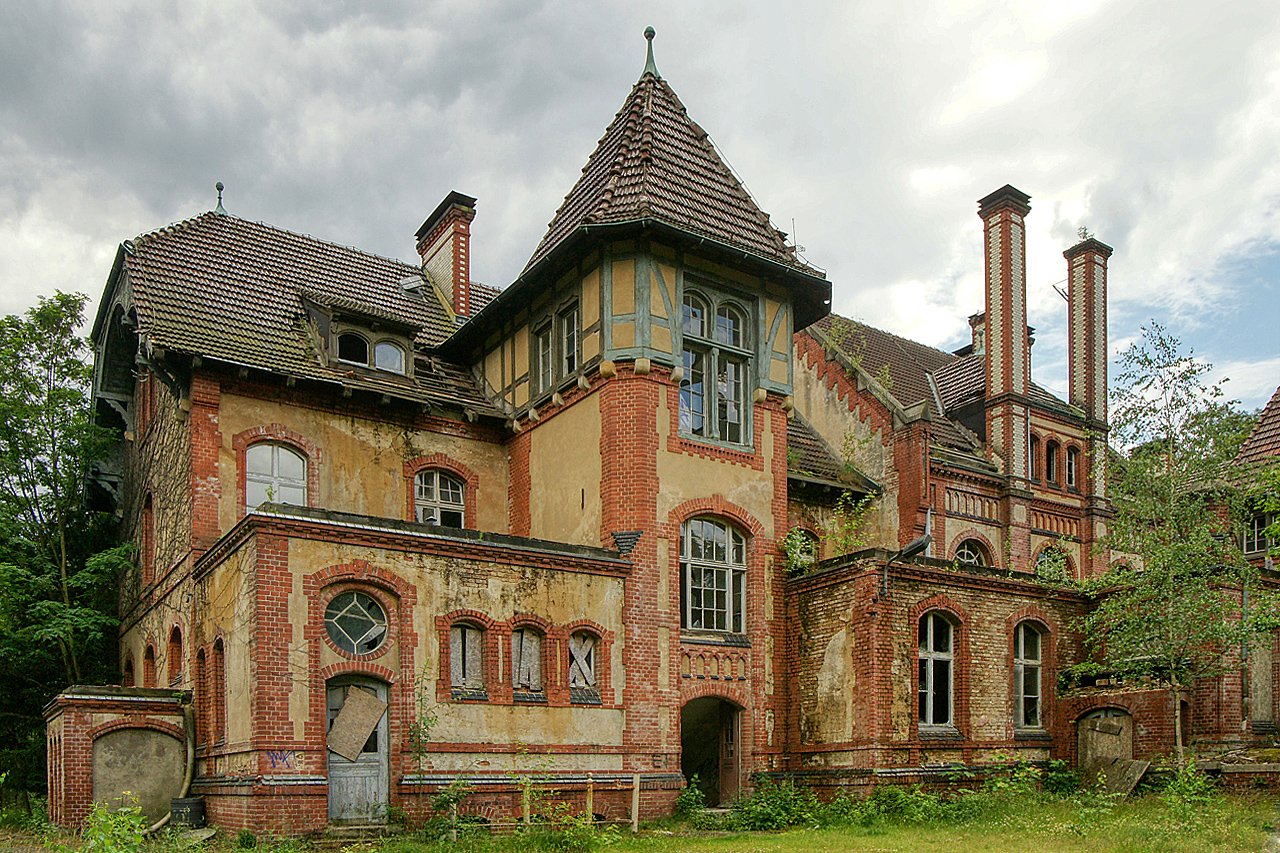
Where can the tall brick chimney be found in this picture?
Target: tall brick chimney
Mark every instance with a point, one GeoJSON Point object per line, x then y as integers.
{"type": "Point", "coordinates": [444, 244]}
{"type": "Point", "coordinates": [1007, 349]}
{"type": "Point", "coordinates": [1087, 327]}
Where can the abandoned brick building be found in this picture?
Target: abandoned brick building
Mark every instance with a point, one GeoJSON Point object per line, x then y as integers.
{"type": "Point", "coordinates": [550, 516]}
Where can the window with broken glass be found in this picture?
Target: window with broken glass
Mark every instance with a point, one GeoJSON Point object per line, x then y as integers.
{"type": "Point", "coordinates": [936, 670]}
{"type": "Point", "coordinates": [438, 499]}
{"type": "Point", "coordinates": [716, 358]}
{"type": "Point", "coordinates": [1026, 676]}
{"type": "Point", "coordinates": [356, 623]}
{"type": "Point", "coordinates": [713, 563]}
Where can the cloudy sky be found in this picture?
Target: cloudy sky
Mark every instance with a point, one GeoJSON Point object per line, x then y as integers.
{"type": "Point", "coordinates": [868, 129]}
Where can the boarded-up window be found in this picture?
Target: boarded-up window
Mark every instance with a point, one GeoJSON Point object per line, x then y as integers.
{"type": "Point", "coordinates": [526, 660]}
{"type": "Point", "coordinates": [466, 657]}
{"type": "Point", "coordinates": [582, 661]}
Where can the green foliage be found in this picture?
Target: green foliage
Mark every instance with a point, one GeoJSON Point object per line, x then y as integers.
{"type": "Point", "coordinates": [58, 587]}
{"type": "Point", "coordinates": [1190, 795]}
{"type": "Point", "coordinates": [118, 830]}
{"type": "Point", "coordinates": [690, 802]}
{"type": "Point", "coordinates": [1060, 778]}
{"type": "Point", "coordinates": [774, 806]}
{"type": "Point", "coordinates": [846, 532]}
{"type": "Point", "coordinates": [798, 546]}
{"type": "Point", "coordinates": [246, 840]}
{"type": "Point", "coordinates": [1177, 619]}
{"type": "Point", "coordinates": [574, 832]}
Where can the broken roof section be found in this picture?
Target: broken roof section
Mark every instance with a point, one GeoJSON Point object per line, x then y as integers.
{"type": "Point", "coordinates": [235, 291]}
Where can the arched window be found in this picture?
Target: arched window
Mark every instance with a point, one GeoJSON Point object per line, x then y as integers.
{"type": "Point", "coordinates": [356, 623]}
{"type": "Point", "coordinates": [972, 553]}
{"type": "Point", "coordinates": [175, 656]}
{"type": "Point", "coordinates": [127, 678]}
{"type": "Point", "coordinates": [713, 388]}
{"type": "Point", "coordinates": [466, 661]}
{"type": "Point", "coordinates": [1051, 462]}
{"type": "Point", "coordinates": [1073, 467]}
{"type": "Point", "coordinates": [218, 699]}
{"type": "Point", "coordinates": [937, 658]}
{"type": "Point", "coordinates": [438, 499]}
{"type": "Point", "coordinates": [149, 667]}
{"type": "Point", "coordinates": [526, 660]}
{"type": "Point", "coordinates": [148, 540]}
{"type": "Point", "coordinates": [388, 356]}
{"type": "Point", "coordinates": [583, 646]}
{"type": "Point", "coordinates": [713, 562]}
{"type": "Point", "coordinates": [353, 349]}
{"type": "Point", "coordinates": [1035, 457]}
{"type": "Point", "coordinates": [276, 473]}
{"type": "Point", "coordinates": [1027, 652]}
{"type": "Point", "coordinates": [1053, 562]}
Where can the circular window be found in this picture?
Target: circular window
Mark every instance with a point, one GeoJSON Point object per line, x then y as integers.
{"type": "Point", "coordinates": [356, 623]}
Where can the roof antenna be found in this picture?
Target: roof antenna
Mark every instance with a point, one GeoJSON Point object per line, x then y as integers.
{"type": "Point", "coordinates": [219, 208]}
{"type": "Point", "coordinates": [650, 67]}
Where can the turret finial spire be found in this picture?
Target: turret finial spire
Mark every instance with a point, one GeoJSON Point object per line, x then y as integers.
{"type": "Point", "coordinates": [650, 67]}
{"type": "Point", "coordinates": [219, 208]}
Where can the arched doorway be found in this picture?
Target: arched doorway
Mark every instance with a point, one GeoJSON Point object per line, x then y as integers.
{"type": "Point", "coordinates": [359, 785]}
{"type": "Point", "coordinates": [1103, 736]}
{"type": "Point", "coordinates": [711, 747]}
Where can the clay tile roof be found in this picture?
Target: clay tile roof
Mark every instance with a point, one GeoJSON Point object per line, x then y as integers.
{"type": "Point", "coordinates": [228, 289]}
{"type": "Point", "coordinates": [654, 162]}
{"type": "Point", "coordinates": [1263, 443]}
{"type": "Point", "coordinates": [482, 295]}
{"type": "Point", "coordinates": [809, 457]}
{"type": "Point", "coordinates": [902, 365]}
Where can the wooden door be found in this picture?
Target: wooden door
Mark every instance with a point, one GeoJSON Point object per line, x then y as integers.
{"type": "Point", "coordinates": [729, 753]}
{"type": "Point", "coordinates": [358, 789]}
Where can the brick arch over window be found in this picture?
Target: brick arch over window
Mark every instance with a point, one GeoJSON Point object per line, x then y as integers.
{"type": "Point", "coordinates": [715, 505]}
{"type": "Point", "coordinates": [1072, 570]}
{"type": "Point", "coordinates": [149, 665]}
{"type": "Point", "coordinates": [960, 657]}
{"type": "Point", "coordinates": [1049, 636]}
{"type": "Point", "coordinates": [277, 434]}
{"type": "Point", "coordinates": [977, 535]}
{"type": "Point", "coordinates": [173, 656]}
{"type": "Point", "coordinates": [496, 687]}
{"type": "Point", "coordinates": [441, 462]}
{"type": "Point", "coordinates": [362, 575]}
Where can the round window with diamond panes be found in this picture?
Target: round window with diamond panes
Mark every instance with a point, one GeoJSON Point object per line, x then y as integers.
{"type": "Point", "coordinates": [356, 623]}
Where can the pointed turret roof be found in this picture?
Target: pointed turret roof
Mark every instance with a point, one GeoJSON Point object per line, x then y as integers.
{"type": "Point", "coordinates": [656, 163]}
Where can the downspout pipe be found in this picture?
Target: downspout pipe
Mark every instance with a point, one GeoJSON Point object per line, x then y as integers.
{"type": "Point", "coordinates": [189, 735]}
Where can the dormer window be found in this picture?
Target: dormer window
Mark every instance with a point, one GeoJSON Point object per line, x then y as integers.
{"type": "Point", "coordinates": [372, 350]}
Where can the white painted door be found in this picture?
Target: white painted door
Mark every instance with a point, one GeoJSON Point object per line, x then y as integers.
{"type": "Point", "coordinates": [358, 789]}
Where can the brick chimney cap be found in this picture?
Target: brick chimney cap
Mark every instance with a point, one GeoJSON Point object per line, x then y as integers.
{"type": "Point", "coordinates": [1006, 195]}
{"type": "Point", "coordinates": [453, 198]}
{"type": "Point", "coordinates": [1090, 244]}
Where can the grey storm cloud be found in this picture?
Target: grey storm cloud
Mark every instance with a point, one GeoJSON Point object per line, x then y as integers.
{"type": "Point", "coordinates": [872, 127]}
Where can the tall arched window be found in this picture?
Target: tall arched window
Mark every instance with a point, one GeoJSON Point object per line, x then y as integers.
{"type": "Point", "coordinates": [1026, 676]}
{"type": "Point", "coordinates": [937, 659]}
{"type": "Point", "coordinates": [1035, 457]}
{"type": "Point", "coordinates": [218, 699]}
{"type": "Point", "coordinates": [582, 667]}
{"type": "Point", "coordinates": [149, 667]}
{"type": "Point", "coordinates": [438, 499]}
{"type": "Point", "coordinates": [716, 356]}
{"type": "Point", "coordinates": [1051, 462]}
{"type": "Point", "coordinates": [276, 473]}
{"type": "Point", "coordinates": [175, 656]}
{"type": "Point", "coordinates": [526, 660]}
{"type": "Point", "coordinates": [127, 680]}
{"type": "Point", "coordinates": [713, 562]}
{"type": "Point", "coordinates": [1073, 467]}
{"type": "Point", "coordinates": [148, 540]}
{"type": "Point", "coordinates": [466, 661]}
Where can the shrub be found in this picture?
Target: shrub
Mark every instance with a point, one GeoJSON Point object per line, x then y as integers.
{"type": "Point", "coordinates": [775, 806]}
{"type": "Point", "coordinates": [690, 802]}
{"type": "Point", "coordinates": [245, 840]}
{"type": "Point", "coordinates": [115, 830]}
{"type": "Point", "coordinates": [1189, 794]}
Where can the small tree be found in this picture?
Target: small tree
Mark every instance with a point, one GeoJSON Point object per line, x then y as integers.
{"type": "Point", "coordinates": [58, 577]}
{"type": "Point", "coordinates": [1178, 617]}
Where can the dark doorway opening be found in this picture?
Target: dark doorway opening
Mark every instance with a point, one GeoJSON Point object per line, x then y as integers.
{"type": "Point", "coordinates": [710, 748]}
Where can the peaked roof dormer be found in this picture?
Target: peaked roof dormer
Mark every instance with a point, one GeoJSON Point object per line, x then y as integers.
{"type": "Point", "coordinates": [654, 163]}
